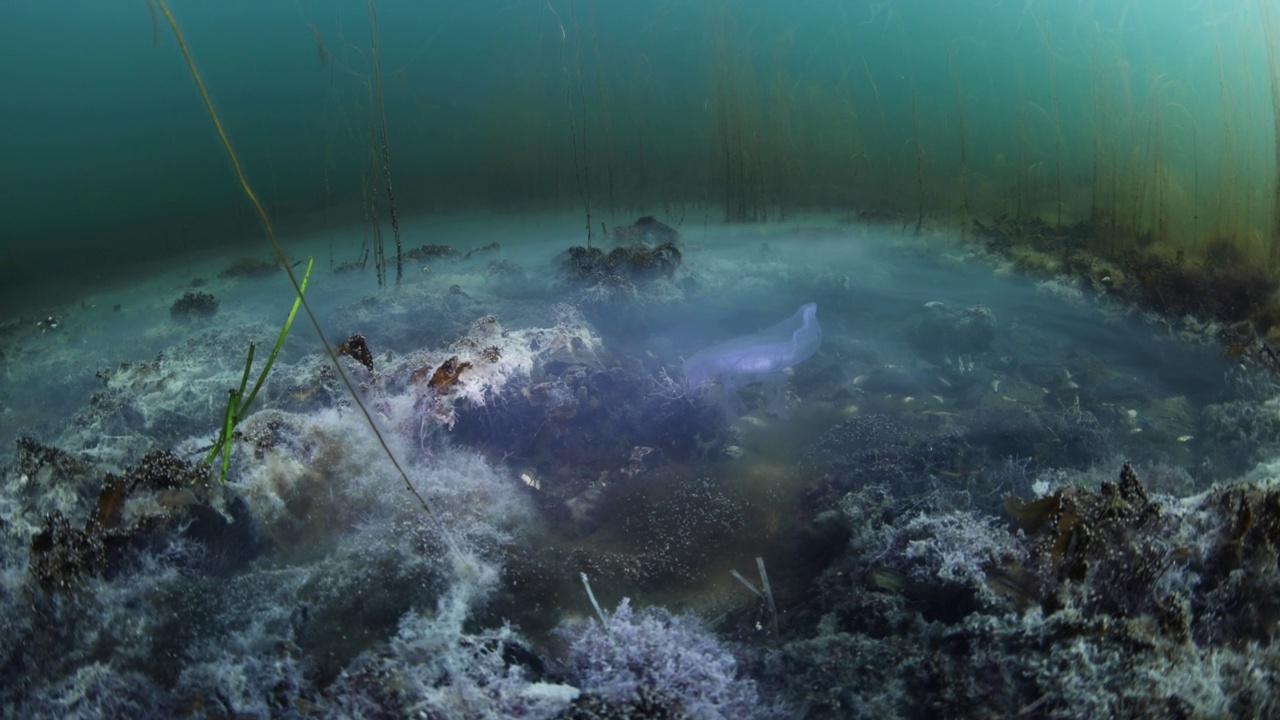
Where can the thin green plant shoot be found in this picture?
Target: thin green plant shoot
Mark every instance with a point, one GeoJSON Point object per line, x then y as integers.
{"type": "Point", "coordinates": [237, 402]}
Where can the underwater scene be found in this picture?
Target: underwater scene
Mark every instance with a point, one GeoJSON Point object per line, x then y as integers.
{"type": "Point", "coordinates": [588, 359]}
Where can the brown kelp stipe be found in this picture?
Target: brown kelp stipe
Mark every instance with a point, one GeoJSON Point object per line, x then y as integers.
{"type": "Point", "coordinates": [382, 134]}
{"type": "Point", "coordinates": [370, 191]}
{"type": "Point", "coordinates": [915, 124]}
{"type": "Point", "coordinates": [581, 164]}
{"type": "Point", "coordinates": [1269, 30]}
{"type": "Point", "coordinates": [297, 287]}
{"type": "Point", "coordinates": [602, 99]}
{"type": "Point", "coordinates": [963, 130]}
{"type": "Point", "coordinates": [1051, 65]}
{"type": "Point", "coordinates": [738, 129]}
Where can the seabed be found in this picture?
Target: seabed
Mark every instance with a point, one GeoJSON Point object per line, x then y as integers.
{"type": "Point", "coordinates": [992, 491]}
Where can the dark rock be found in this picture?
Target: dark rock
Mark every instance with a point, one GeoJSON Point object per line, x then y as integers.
{"type": "Point", "coordinates": [193, 305]}
{"type": "Point", "coordinates": [943, 332]}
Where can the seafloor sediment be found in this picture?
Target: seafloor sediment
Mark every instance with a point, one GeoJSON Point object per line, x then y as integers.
{"type": "Point", "coordinates": [983, 496]}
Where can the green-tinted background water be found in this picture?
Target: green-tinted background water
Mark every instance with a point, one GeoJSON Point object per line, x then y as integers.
{"type": "Point", "coordinates": [1153, 119]}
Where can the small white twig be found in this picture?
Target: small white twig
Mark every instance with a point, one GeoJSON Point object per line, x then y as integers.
{"type": "Point", "coordinates": [768, 593]}
{"type": "Point", "coordinates": [592, 596]}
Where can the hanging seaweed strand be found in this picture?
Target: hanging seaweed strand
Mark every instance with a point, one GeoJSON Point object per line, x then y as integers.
{"type": "Point", "coordinates": [1046, 38]}
{"type": "Point", "coordinates": [1269, 31]}
{"type": "Point", "coordinates": [584, 184]}
{"type": "Point", "coordinates": [371, 193]}
{"type": "Point", "coordinates": [581, 168]}
{"type": "Point", "coordinates": [382, 127]}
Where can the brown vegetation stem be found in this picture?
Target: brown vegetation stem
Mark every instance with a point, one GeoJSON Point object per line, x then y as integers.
{"type": "Point", "coordinates": [580, 169]}
{"type": "Point", "coordinates": [1226, 194]}
{"type": "Point", "coordinates": [915, 119]}
{"type": "Point", "coordinates": [1052, 64]}
{"type": "Point", "coordinates": [1269, 30]}
{"type": "Point", "coordinates": [730, 118]}
{"type": "Point", "coordinates": [603, 100]}
{"type": "Point", "coordinates": [371, 193]}
{"type": "Point", "coordinates": [884, 120]}
{"type": "Point", "coordinates": [382, 123]}
{"type": "Point", "coordinates": [964, 142]}
{"type": "Point", "coordinates": [155, 25]}
{"type": "Point", "coordinates": [1021, 199]}
{"type": "Point", "coordinates": [1095, 200]}
{"type": "Point", "coordinates": [584, 183]}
